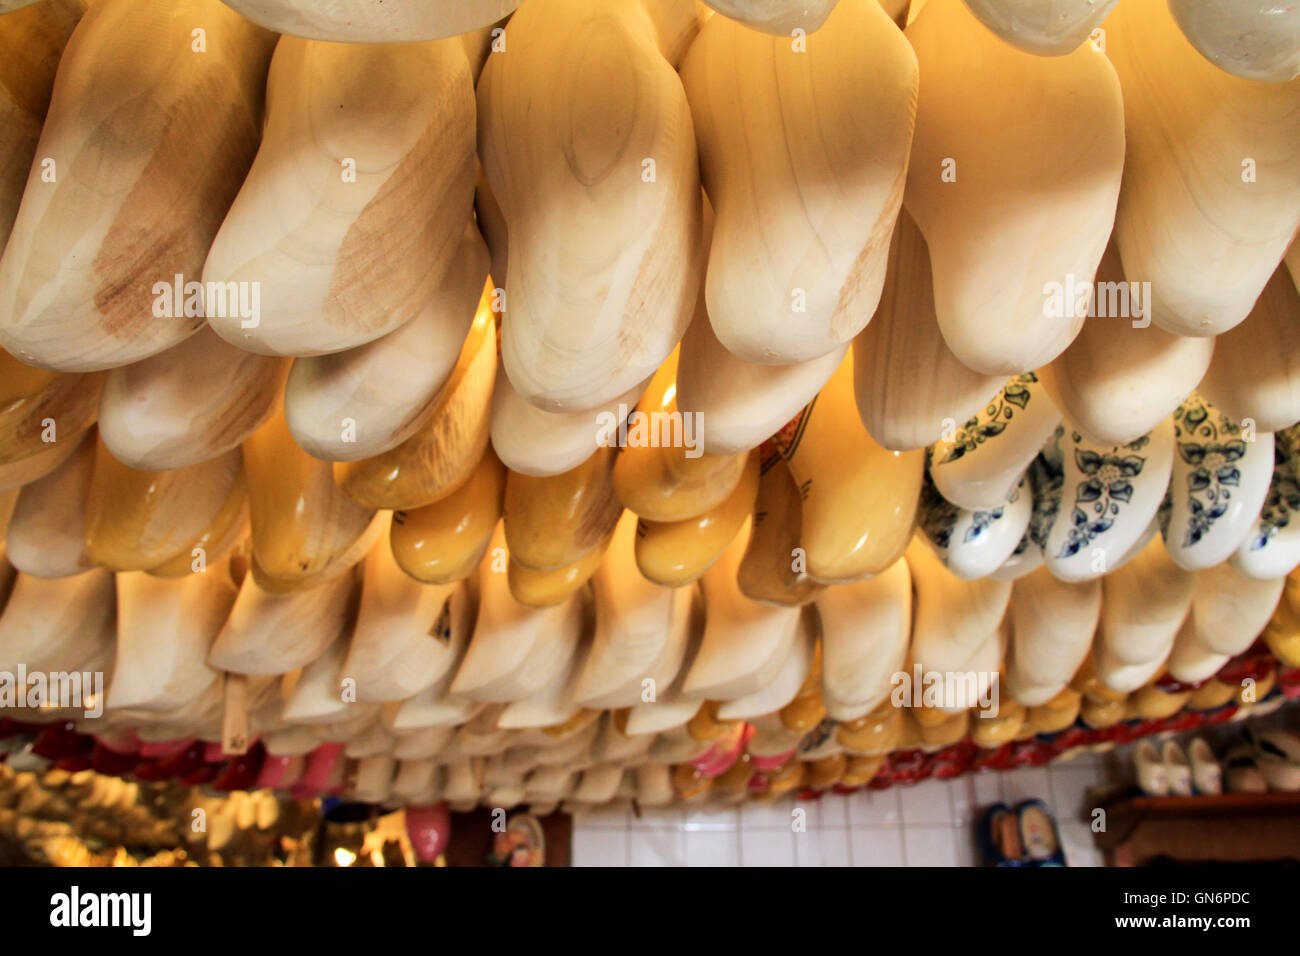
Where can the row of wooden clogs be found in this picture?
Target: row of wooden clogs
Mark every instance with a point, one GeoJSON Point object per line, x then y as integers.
{"type": "Point", "coordinates": [336, 230]}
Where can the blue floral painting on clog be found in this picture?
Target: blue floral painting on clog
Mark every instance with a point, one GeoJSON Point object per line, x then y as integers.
{"type": "Point", "coordinates": [1108, 483]}
{"type": "Point", "coordinates": [1213, 450]}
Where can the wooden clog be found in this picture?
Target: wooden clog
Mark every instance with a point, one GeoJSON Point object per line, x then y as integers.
{"type": "Point", "coordinates": [65, 624]}
{"type": "Point", "coordinates": [444, 542]}
{"type": "Point", "coordinates": [785, 686]}
{"type": "Point", "coordinates": [1257, 41]}
{"type": "Point", "coordinates": [975, 544]}
{"type": "Point", "coordinates": [824, 125]}
{"type": "Point", "coordinates": [556, 703]}
{"type": "Point", "coordinates": [1052, 627]}
{"type": "Point", "coordinates": [1192, 660]}
{"type": "Point", "coordinates": [597, 181]}
{"type": "Point", "coordinates": [360, 140]}
{"type": "Point", "coordinates": [303, 525]}
{"type": "Point", "coordinates": [368, 399]}
{"type": "Point", "coordinates": [442, 454]}
{"type": "Point", "coordinates": [676, 553]}
{"type": "Point", "coordinates": [667, 707]}
{"type": "Point", "coordinates": [662, 473]}
{"type": "Point", "coordinates": [838, 468]}
{"type": "Point", "coordinates": [771, 572]}
{"type": "Point", "coordinates": [778, 17]}
{"type": "Point", "coordinates": [1211, 194]}
{"type": "Point", "coordinates": [1042, 27]}
{"type": "Point", "coordinates": [1055, 715]}
{"type": "Point", "coordinates": [189, 404]}
{"type": "Point", "coordinates": [1255, 372]}
{"type": "Point", "coordinates": [39, 408]}
{"type": "Point", "coordinates": [435, 705]}
{"type": "Point", "coordinates": [365, 21]}
{"type": "Point", "coordinates": [552, 522]}
{"type": "Point", "coordinates": [745, 643]}
{"type": "Point", "coordinates": [515, 650]}
{"type": "Point", "coordinates": [85, 283]}
{"type": "Point", "coordinates": [268, 633]}
{"type": "Point", "coordinates": [1143, 605]}
{"type": "Point", "coordinates": [1229, 610]}
{"type": "Point", "coordinates": [136, 520]}
{"type": "Point", "coordinates": [1272, 549]}
{"type": "Point", "coordinates": [46, 537]}
{"type": "Point", "coordinates": [26, 470]}
{"type": "Point", "coordinates": [866, 627]}
{"type": "Point", "coordinates": [31, 43]}
{"type": "Point", "coordinates": [978, 464]}
{"type": "Point", "coordinates": [807, 710]}
{"type": "Point", "coordinates": [1003, 232]}
{"type": "Point", "coordinates": [313, 696]}
{"type": "Point", "coordinates": [1122, 375]}
{"type": "Point", "coordinates": [545, 588]}
{"type": "Point", "coordinates": [903, 346]}
{"type": "Point", "coordinates": [225, 535]}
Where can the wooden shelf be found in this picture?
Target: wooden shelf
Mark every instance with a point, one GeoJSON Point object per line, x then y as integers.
{"type": "Point", "coordinates": [1232, 827]}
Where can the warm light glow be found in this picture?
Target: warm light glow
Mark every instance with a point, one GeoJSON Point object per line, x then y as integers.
{"type": "Point", "coordinates": [344, 857]}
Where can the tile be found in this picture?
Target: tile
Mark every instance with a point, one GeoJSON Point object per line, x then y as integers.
{"type": "Point", "coordinates": [1026, 783]}
{"type": "Point", "coordinates": [596, 846]}
{"type": "Point", "coordinates": [768, 847]}
{"type": "Point", "coordinates": [965, 800]}
{"type": "Point", "coordinates": [832, 810]}
{"type": "Point", "coordinates": [876, 846]}
{"type": "Point", "coordinates": [656, 846]}
{"type": "Point", "coordinates": [709, 817]}
{"type": "Point", "coordinates": [930, 845]}
{"type": "Point", "coordinates": [928, 802]}
{"type": "Point", "coordinates": [1070, 791]}
{"type": "Point", "coordinates": [606, 818]}
{"type": "Point", "coordinates": [828, 846]}
{"type": "Point", "coordinates": [968, 853]}
{"type": "Point", "coordinates": [875, 808]}
{"type": "Point", "coordinates": [712, 847]}
{"type": "Point", "coordinates": [766, 815]}
{"type": "Point", "coordinates": [655, 817]}
{"type": "Point", "coordinates": [988, 788]}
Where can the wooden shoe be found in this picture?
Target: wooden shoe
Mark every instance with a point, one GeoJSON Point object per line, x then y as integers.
{"type": "Point", "coordinates": [515, 650]}
{"type": "Point", "coordinates": [676, 553]}
{"type": "Point", "coordinates": [1121, 376]}
{"type": "Point", "coordinates": [838, 466]}
{"type": "Point", "coordinates": [535, 442]}
{"type": "Point", "coordinates": [780, 17]}
{"type": "Point", "coordinates": [1272, 549]}
{"type": "Point", "coordinates": [1055, 715]}
{"type": "Point", "coordinates": [1052, 627]}
{"type": "Point", "coordinates": [357, 21]}
{"type": "Point", "coordinates": [1100, 715]}
{"type": "Point", "coordinates": [225, 535]}
{"type": "Point", "coordinates": [113, 301]}
{"type": "Point", "coordinates": [1210, 201]}
{"type": "Point", "coordinates": [744, 403]}
{"type": "Point", "coordinates": [1143, 606]}
{"type": "Point", "coordinates": [1282, 634]}
{"type": "Point", "coordinates": [662, 473]}
{"type": "Point", "coordinates": [1218, 486]}
{"type": "Point", "coordinates": [978, 464]}
{"type": "Point", "coordinates": [46, 537]}
{"type": "Point", "coordinates": [189, 404]}
{"type": "Point", "coordinates": [435, 705]}
{"type": "Point", "coordinates": [32, 43]}
{"type": "Point", "coordinates": [807, 710]}
{"type": "Point", "coordinates": [992, 730]}
{"type": "Point", "coordinates": [1255, 373]}
{"type": "Point", "coordinates": [1192, 660]}
{"type": "Point", "coordinates": [442, 454]}
{"type": "Point", "coordinates": [1042, 27]}
{"type": "Point", "coordinates": [314, 696]}
{"type": "Point", "coordinates": [785, 686]}
{"type": "Point", "coordinates": [304, 527]}
{"type": "Point", "coordinates": [269, 633]}
{"type": "Point", "coordinates": [795, 268]}
{"type": "Point", "coordinates": [667, 708]}
{"type": "Point", "coordinates": [1230, 611]}
{"type": "Point", "coordinates": [39, 408]}
{"type": "Point", "coordinates": [401, 643]}
{"type": "Point", "coordinates": [445, 541]}
{"type": "Point", "coordinates": [1250, 41]}
{"type": "Point", "coordinates": [1211, 695]}
{"type": "Point", "coordinates": [634, 623]}
{"type": "Point", "coordinates": [164, 631]}
{"type": "Point", "coordinates": [366, 400]}
{"type": "Point", "coordinates": [338, 165]}
{"type": "Point", "coordinates": [865, 627]}
{"type": "Point", "coordinates": [771, 572]}
{"type": "Point", "coordinates": [595, 302]}
{"type": "Point", "coordinates": [745, 643]}
{"type": "Point", "coordinates": [555, 704]}
{"type": "Point", "coordinates": [64, 624]}
{"type": "Point", "coordinates": [136, 520]}
{"type": "Point", "coordinates": [983, 219]}
{"type": "Point", "coordinates": [26, 470]}
{"type": "Point", "coordinates": [1152, 702]}
{"type": "Point", "coordinates": [1110, 496]}
{"type": "Point", "coordinates": [903, 346]}
{"type": "Point", "coordinates": [546, 588]}
{"type": "Point", "coordinates": [974, 544]}
{"type": "Point", "coordinates": [552, 522]}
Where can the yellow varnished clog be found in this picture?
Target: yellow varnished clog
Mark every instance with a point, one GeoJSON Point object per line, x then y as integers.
{"type": "Point", "coordinates": [772, 571]}
{"type": "Point", "coordinates": [552, 522]}
{"type": "Point", "coordinates": [36, 404]}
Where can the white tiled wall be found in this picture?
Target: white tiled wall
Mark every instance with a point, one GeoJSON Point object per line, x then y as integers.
{"type": "Point", "coordinates": [930, 824]}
